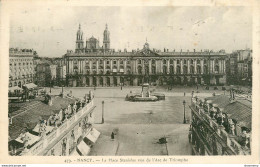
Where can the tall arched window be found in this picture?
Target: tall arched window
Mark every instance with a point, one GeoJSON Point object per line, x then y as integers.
{"type": "Point", "coordinates": [153, 69]}
{"type": "Point", "coordinates": [146, 69]}
{"type": "Point", "coordinates": [139, 70]}
{"type": "Point", "coordinates": [185, 70]}
{"type": "Point", "coordinates": [216, 69]}
{"type": "Point", "coordinates": [205, 69]}
{"type": "Point", "coordinates": [171, 69]}
{"type": "Point", "coordinates": [198, 70]}
{"type": "Point", "coordinates": [164, 70]}
{"type": "Point", "coordinates": [191, 69]}
{"type": "Point", "coordinates": [178, 69]}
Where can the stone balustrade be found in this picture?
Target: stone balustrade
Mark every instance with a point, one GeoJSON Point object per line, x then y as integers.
{"type": "Point", "coordinates": [46, 140]}
{"type": "Point", "coordinates": [204, 113]}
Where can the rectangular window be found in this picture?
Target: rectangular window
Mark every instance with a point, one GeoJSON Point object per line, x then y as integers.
{"type": "Point", "coordinates": [108, 62]}
{"type": "Point", "coordinates": [114, 62]}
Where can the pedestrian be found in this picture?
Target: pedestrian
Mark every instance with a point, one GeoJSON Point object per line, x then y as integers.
{"type": "Point", "coordinates": [190, 133]}
{"type": "Point", "coordinates": [112, 136]}
{"type": "Point", "coordinates": [184, 93]}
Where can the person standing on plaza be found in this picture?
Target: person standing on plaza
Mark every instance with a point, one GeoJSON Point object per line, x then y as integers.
{"type": "Point", "coordinates": [112, 136]}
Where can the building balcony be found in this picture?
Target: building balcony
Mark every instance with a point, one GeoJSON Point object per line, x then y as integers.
{"type": "Point", "coordinates": [211, 116]}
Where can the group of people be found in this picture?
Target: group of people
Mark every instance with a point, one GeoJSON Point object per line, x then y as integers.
{"type": "Point", "coordinates": [65, 114]}
{"type": "Point", "coordinates": [229, 124]}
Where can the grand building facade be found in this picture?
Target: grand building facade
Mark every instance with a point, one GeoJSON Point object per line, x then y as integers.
{"type": "Point", "coordinates": [102, 66]}
{"type": "Point", "coordinates": [21, 66]}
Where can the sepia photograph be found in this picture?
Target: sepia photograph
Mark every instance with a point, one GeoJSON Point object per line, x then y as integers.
{"type": "Point", "coordinates": [130, 81]}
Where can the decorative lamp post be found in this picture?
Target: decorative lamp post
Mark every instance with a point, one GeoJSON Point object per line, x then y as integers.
{"type": "Point", "coordinates": [103, 112]}
{"type": "Point", "coordinates": [184, 118]}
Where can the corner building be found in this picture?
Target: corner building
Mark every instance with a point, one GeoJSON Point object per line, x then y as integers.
{"type": "Point", "coordinates": [102, 66]}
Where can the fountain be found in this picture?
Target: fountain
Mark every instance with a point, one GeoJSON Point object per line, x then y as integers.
{"type": "Point", "coordinates": [145, 95]}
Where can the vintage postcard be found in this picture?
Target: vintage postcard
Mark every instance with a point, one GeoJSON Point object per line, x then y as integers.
{"type": "Point", "coordinates": [129, 82]}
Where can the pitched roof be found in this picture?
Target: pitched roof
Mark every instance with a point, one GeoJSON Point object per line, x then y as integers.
{"type": "Point", "coordinates": [240, 110]}
{"type": "Point", "coordinates": [31, 117]}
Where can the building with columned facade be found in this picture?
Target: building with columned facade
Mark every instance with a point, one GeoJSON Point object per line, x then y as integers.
{"type": "Point", "coordinates": [21, 66]}
{"type": "Point", "coordinates": [93, 65]}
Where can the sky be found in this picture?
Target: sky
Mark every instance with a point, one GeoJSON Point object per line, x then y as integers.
{"type": "Point", "coordinates": [51, 31]}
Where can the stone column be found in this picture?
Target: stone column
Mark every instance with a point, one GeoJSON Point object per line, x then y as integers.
{"type": "Point", "coordinates": [135, 81]}
{"type": "Point", "coordinates": [84, 66]}
{"type": "Point", "coordinates": [224, 70]}
{"type": "Point", "coordinates": [111, 65]}
{"type": "Point", "coordinates": [202, 66]}
{"type": "Point", "coordinates": [168, 66]}
{"type": "Point", "coordinates": [161, 66]}
{"type": "Point", "coordinates": [136, 65]}
{"type": "Point", "coordinates": [188, 62]}
{"type": "Point", "coordinates": [104, 64]}
{"type": "Point", "coordinates": [90, 66]}
{"type": "Point", "coordinates": [118, 81]}
{"type": "Point", "coordinates": [71, 66]}
{"type": "Point", "coordinates": [157, 67]}
{"type": "Point", "coordinates": [175, 66]}
{"type": "Point", "coordinates": [111, 81]}
{"type": "Point", "coordinates": [125, 66]}
{"type": "Point", "coordinates": [81, 66]}
{"type": "Point", "coordinates": [181, 66]}
{"type": "Point", "coordinates": [143, 69]}
{"type": "Point", "coordinates": [195, 66]}
{"type": "Point", "coordinates": [150, 66]}
{"type": "Point", "coordinates": [118, 63]}
{"type": "Point", "coordinates": [97, 67]}
{"type": "Point", "coordinates": [90, 81]}
{"type": "Point", "coordinates": [213, 66]}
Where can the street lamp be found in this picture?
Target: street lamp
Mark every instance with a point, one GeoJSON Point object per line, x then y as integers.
{"type": "Point", "coordinates": [103, 112]}
{"type": "Point", "coordinates": [184, 118]}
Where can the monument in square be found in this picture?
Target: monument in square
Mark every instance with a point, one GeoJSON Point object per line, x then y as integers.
{"type": "Point", "coordinates": [145, 95]}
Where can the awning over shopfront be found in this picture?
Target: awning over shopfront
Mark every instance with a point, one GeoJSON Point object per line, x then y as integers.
{"type": "Point", "coordinates": [93, 135]}
{"type": "Point", "coordinates": [30, 86]}
{"type": "Point", "coordinates": [83, 148]}
{"type": "Point", "coordinates": [15, 88]}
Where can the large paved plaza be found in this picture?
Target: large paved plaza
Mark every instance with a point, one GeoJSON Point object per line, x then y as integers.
{"type": "Point", "coordinates": [140, 125]}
